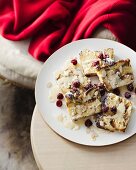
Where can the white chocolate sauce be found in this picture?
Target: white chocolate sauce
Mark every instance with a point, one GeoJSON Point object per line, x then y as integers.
{"type": "Point", "coordinates": [53, 93]}
{"type": "Point", "coordinates": [49, 85]}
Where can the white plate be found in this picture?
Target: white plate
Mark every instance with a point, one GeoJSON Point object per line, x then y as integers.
{"type": "Point", "coordinates": [49, 110]}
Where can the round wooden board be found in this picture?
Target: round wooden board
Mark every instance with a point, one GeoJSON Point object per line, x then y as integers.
{"type": "Point", "coordinates": [52, 152]}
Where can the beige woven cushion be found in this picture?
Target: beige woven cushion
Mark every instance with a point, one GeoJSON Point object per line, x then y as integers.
{"type": "Point", "coordinates": [16, 64]}
{"type": "Point", "coordinates": [18, 67]}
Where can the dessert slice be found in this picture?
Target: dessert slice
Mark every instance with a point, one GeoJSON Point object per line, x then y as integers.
{"type": "Point", "coordinates": [82, 103]}
{"type": "Point", "coordinates": [90, 59]}
{"type": "Point", "coordinates": [69, 75]}
{"type": "Point", "coordinates": [87, 58]}
{"type": "Point", "coordinates": [116, 113]}
{"type": "Point", "coordinates": [109, 53]}
{"type": "Point", "coordinates": [116, 75]}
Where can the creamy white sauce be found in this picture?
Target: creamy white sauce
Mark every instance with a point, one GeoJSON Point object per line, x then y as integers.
{"type": "Point", "coordinates": [94, 134]}
{"type": "Point", "coordinates": [109, 60]}
{"type": "Point", "coordinates": [67, 122]}
{"type": "Point", "coordinates": [49, 85]}
{"type": "Point", "coordinates": [88, 130]}
{"type": "Point", "coordinates": [60, 118]}
{"type": "Point", "coordinates": [53, 93]}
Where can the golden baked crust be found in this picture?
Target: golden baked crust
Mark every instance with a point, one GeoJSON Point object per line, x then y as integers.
{"type": "Point", "coordinates": [117, 75]}
{"type": "Point", "coordinates": [88, 57]}
{"type": "Point", "coordinates": [109, 52]}
{"type": "Point", "coordinates": [69, 74]}
{"type": "Point", "coordinates": [83, 103]}
{"type": "Point", "coordinates": [117, 119]}
{"type": "Point", "coordinates": [83, 99]}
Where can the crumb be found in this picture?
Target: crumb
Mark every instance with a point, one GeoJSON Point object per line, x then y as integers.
{"type": "Point", "coordinates": [94, 135]}
{"type": "Point", "coordinates": [49, 85]}
{"type": "Point", "coordinates": [88, 130]}
{"type": "Point", "coordinates": [60, 118]}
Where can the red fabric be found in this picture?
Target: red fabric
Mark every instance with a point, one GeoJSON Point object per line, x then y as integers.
{"type": "Point", "coordinates": [54, 23]}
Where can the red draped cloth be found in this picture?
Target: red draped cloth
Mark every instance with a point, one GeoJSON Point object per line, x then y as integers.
{"type": "Point", "coordinates": [53, 23]}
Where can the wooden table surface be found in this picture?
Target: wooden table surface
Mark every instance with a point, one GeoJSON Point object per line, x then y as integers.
{"type": "Point", "coordinates": [53, 152]}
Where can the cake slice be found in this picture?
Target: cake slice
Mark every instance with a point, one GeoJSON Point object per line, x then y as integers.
{"type": "Point", "coordinates": [82, 103]}
{"type": "Point", "coordinates": [116, 113]}
{"type": "Point", "coordinates": [69, 74]}
{"type": "Point", "coordinates": [116, 75]}
{"type": "Point", "coordinates": [109, 53]}
{"type": "Point", "coordinates": [90, 59]}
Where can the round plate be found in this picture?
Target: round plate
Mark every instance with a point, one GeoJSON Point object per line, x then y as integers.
{"type": "Point", "coordinates": [49, 110]}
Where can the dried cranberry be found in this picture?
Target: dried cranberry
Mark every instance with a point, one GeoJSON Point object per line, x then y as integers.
{"type": "Point", "coordinates": [130, 87]}
{"type": "Point", "coordinates": [76, 84]}
{"type": "Point", "coordinates": [95, 63]}
{"type": "Point", "coordinates": [59, 103]}
{"type": "Point", "coordinates": [88, 123]}
{"type": "Point", "coordinates": [100, 56]}
{"type": "Point", "coordinates": [60, 96]}
{"type": "Point", "coordinates": [105, 108]}
{"type": "Point", "coordinates": [116, 91]}
{"type": "Point", "coordinates": [88, 86]}
{"type": "Point", "coordinates": [127, 95]}
{"type": "Point", "coordinates": [74, 62]}
{"type": "Point", "coordinates": [114, 109]}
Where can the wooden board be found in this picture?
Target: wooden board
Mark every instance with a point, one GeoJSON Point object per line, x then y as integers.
{"type": "Point", "coordinates": [53, 152]}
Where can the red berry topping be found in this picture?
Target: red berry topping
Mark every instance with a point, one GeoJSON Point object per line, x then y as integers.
{"type": "Point", "coordinates": [116, 91]}
{"type": "Point", "coordinates": [114, 109]}
{"type": "Point", "coordinates": [76, 84]}
{"type": "Point", "coordinates": [130, 87]}
{"type": "Point", "coordinates": [60, 96]}
{"type": "Point", "coordinates": [101, 56]}
{"type": "Point", "coordinates": [59, 103]}
{"type": "Point", "coordinates": [74, 62]}
{"type": "Point", "coordinates": [88, 123]}
{"type": "Point", "coordinates": [105, 108]}
{"type": "Point", "coordinates": [95, 63]}
{"type": "Point", "coordinates": [127, 95]}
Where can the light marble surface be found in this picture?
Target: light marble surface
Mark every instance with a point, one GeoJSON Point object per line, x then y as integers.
{"type": "Point", "coordinates": [16, 108]}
